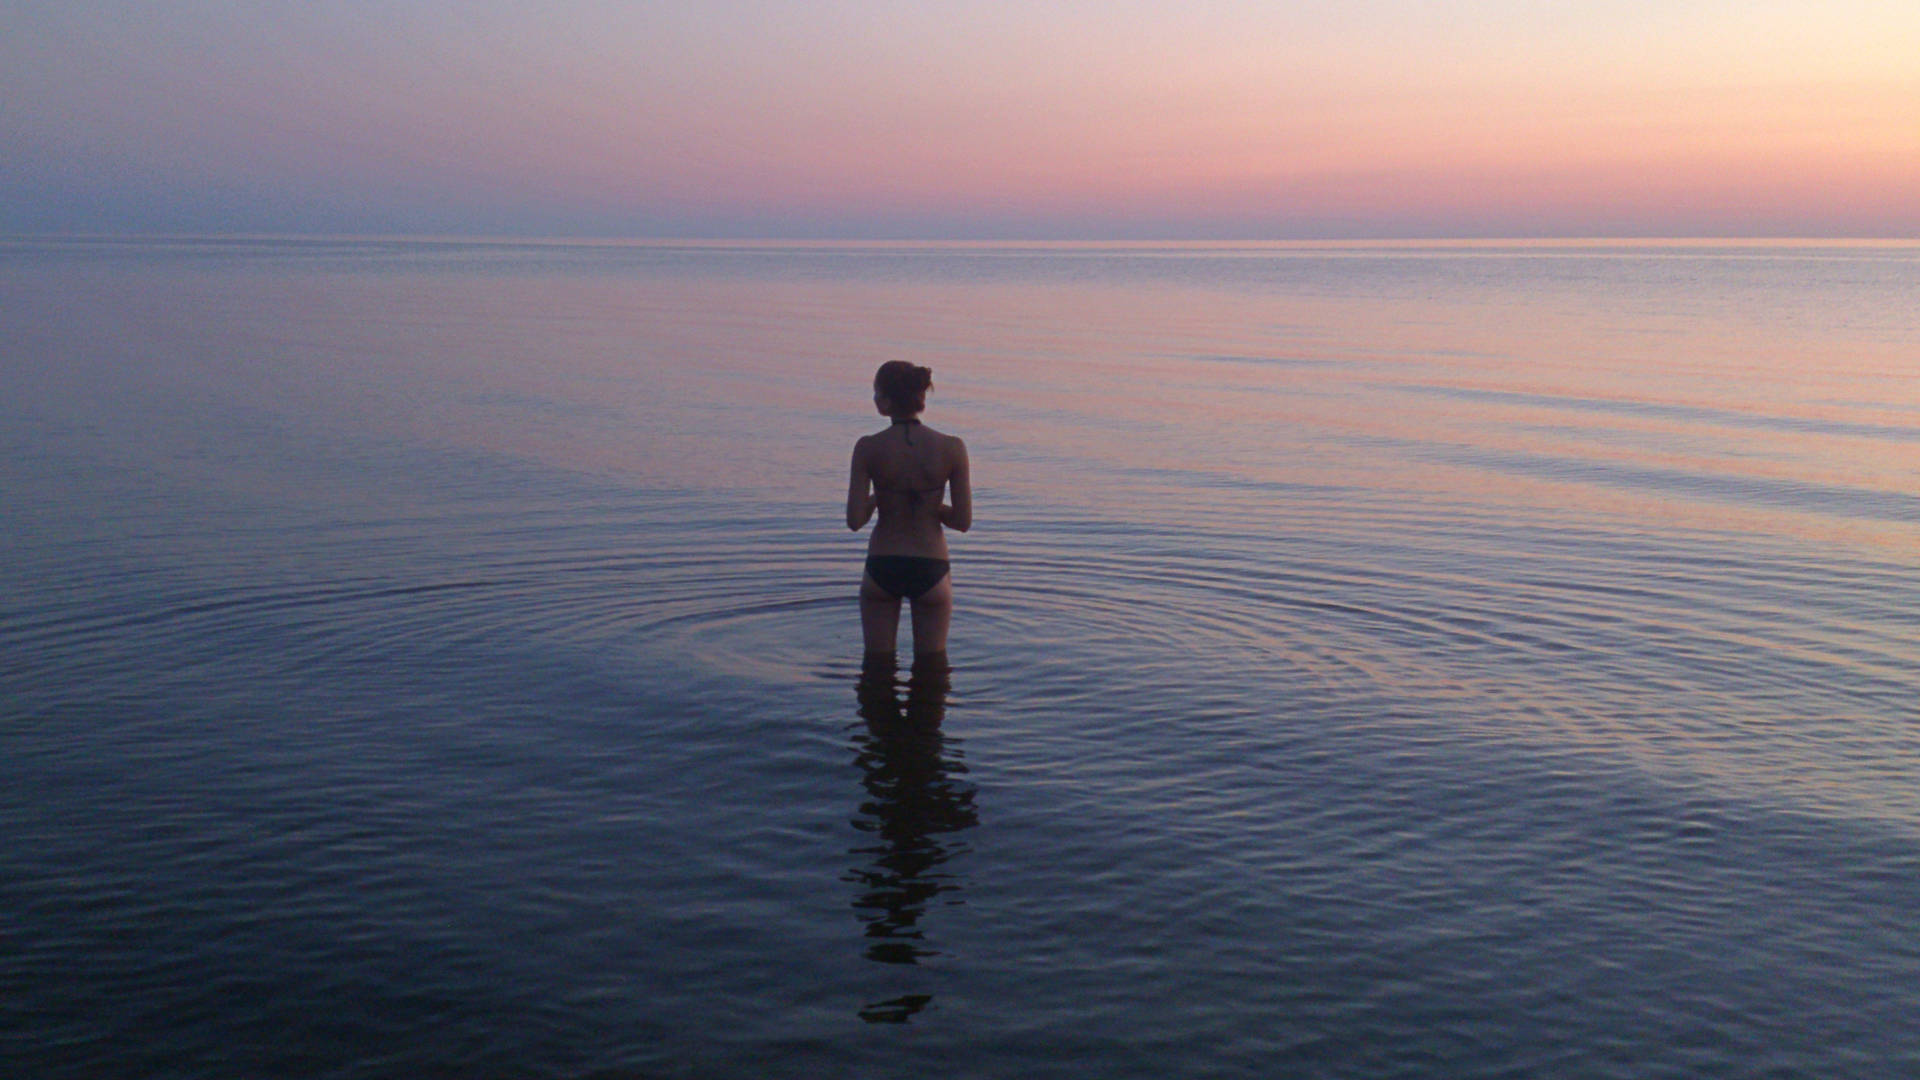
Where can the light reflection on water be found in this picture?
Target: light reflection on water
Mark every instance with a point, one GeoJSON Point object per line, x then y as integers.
{"type": "Point", "coordinates": [1378, 661]}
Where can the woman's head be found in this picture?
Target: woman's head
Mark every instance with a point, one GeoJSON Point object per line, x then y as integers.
{"type": "Point", "coordinates": [900, 389]}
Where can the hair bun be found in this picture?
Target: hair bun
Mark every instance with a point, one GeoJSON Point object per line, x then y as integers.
{"type": "Point", "coordinates": [904, 385]}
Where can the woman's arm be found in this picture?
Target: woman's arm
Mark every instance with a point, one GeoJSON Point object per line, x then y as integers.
{"type": "Point", "coordinates": [959, 515]}
{"type": "Point", "coordinates": [860, 498]}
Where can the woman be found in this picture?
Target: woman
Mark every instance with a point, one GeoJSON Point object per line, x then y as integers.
{"type": "Point", "coordinates": [902, 472]}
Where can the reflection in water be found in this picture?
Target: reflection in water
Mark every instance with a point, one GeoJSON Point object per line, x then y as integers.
{"type": "Point", "coordinates": [1628, 538]}
{"type": "Point", "coordinates": [914, 798]}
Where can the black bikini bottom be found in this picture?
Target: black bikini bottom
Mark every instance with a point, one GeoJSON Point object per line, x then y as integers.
{"type": "Point", "coordinates": [907, 576]}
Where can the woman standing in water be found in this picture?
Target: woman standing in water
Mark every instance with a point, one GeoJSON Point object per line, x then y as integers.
{"type": "Point", "coordinates": [904, 472]}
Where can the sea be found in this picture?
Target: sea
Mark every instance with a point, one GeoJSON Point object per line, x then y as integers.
{"type": "Point", "coordinates": [440, 658]}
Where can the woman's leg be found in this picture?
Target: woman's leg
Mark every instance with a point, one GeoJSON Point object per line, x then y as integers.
{"type": "Point", "coordinates": [880, 617]}
{"type": "Point", "coordinates": [932, 614]}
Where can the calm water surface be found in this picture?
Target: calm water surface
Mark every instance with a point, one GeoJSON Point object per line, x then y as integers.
{"type": "Point", "coordinates": [1426, 660]}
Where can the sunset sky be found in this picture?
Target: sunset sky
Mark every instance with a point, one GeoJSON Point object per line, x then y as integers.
{"type": "Point", "coordinates": [1128, 119]}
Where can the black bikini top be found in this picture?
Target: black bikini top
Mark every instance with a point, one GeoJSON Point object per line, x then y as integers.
{"type": "Point", "coordinates": [906, 422]}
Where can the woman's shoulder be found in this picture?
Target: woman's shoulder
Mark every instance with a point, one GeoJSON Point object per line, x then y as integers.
{"type": "Point", "coordinates": [942, 439]}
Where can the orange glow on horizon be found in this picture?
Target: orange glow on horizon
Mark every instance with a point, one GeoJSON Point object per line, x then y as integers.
{"type": "Point", "coordinates": [1379, 117]}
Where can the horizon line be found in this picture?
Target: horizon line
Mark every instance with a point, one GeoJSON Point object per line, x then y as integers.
{"type": "Point", "coordinates": [559, 239]}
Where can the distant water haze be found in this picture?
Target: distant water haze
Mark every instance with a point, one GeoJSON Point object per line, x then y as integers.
{"type": "Point", "coordinates": [1396, 659]}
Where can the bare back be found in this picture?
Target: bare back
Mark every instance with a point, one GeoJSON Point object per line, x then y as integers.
{"type": "Point", "coordinates": [910, 469]}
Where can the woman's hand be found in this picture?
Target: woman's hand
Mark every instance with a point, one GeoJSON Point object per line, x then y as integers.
{"type": "Point", "coordinates": [959, 515]}
{"type": "Point", "coordinates": [861, 498]}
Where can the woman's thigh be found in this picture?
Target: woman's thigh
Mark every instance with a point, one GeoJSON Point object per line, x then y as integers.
{"type": "Point", "coordinates": [932, 613]}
